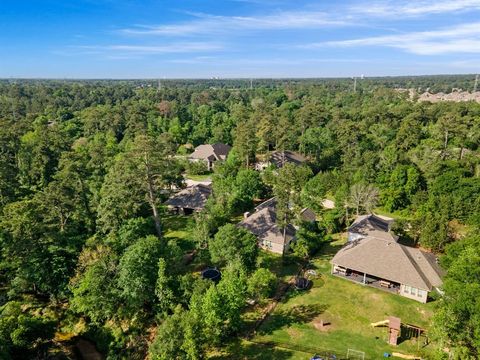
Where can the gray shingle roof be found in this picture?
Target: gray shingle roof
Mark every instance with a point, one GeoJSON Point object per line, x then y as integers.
{"type": "Point", "coordinates": [370, 221]}
{"type": "Point", "coordinates": [373, 226]}
{"type": "Point", "coordinates": [306, 214]}
{"type": "Point", "coordinates": [392, 261]}
{"type": "Point", "coordinates": [211, 152]}
{"type": "Point", "coordinates": [280, 158]}
{"type": "Point", "coordinates": [192, 197]}
{"type": "Point", "coordinates": [263, 224]}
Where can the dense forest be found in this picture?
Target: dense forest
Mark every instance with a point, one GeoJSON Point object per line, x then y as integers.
{"type": "Point", "coordinates": [85, 168]}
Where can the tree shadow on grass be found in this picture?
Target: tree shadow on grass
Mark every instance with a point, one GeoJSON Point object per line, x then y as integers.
{"type": "Point", "coordinates": [282, 266]}
{"type": "Point", "coordinates": [298, 314]}
{"type": "Point", "coordinates": [293, 292]}
{"type": "Point", "coordinates": [328, 250]}
{"type": "Point", "coordinates": [255, 351]}
{"type": "Point", "coordinates": [409, 333]}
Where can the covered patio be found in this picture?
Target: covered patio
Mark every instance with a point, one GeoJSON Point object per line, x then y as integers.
{"type": "Point", "coordinates": [366, 279]}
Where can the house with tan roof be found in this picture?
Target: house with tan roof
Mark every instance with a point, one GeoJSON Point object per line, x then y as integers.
{"type": "Point", "coordinates": [210, 153]}
{"type": "Point", "coordinates": [372, 256]}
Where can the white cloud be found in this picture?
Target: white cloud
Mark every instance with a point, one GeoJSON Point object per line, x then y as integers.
{"type": "Point", "coordinates": [415, 8]}
{"type": "Point", "coordinates": [163, 49]}
{"type": "Point", "coordinates": [341, 15]}
{"type": "Point", "coordinates": [127, 51]}
{"type": "Point", "coordinates": [211, 24]}
{"type": "Point", "coordinates": [459, 39]}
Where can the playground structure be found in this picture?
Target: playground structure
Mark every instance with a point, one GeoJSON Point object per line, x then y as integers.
{"type": "Point", "coordinates": [395, 329]}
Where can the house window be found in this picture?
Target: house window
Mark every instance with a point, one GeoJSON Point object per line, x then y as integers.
{"type": "Point", "coordinates": [420, 293]}
{"type": "Point", "coordinates": [413, 291]}
{"type": "Point", "coordinates": [406, 289]}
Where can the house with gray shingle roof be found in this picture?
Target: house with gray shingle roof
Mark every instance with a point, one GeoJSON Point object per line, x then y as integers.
{"type": "Point", "coordinates": [189, 200]}
{"type": "Point", "coordinates": [371, 225]}
{"type": "Point", "coordinates": [375, 258]}
{"type": "Point", "coordinates": [210, 153]}
{"type": "Point", "coordinates": [263, 224]}
{"type": "Point", "coordinates": [280, 158]}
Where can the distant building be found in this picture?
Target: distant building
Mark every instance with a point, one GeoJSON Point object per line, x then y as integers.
{"type": "Point", "coordinates": [210, 154]}
{"type": "Point", "coordinates": [372, 256]}
{"type": "Point", "coordinates": [280, 158]}
{"type": "Point", "coordinates": [189, 200]}
{"type": "Point", "coordinates": [263, 224]}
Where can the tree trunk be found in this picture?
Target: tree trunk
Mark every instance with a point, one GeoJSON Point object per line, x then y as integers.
{"type": "Point", "coordinates": [445, 143]}
{"type": "Point", "coordinates": [90, 216]}
{"type": "Point", "coordinates": [152, 198]}
{"type": "Point", "coordinates": [156, 219]}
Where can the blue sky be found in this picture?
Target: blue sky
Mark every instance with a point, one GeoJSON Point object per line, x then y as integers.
{"type": "Point", "coordinates": [237, 38]}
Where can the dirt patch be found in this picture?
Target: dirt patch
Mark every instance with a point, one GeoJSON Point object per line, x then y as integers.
{"type": "Point", "coordinates": [322, 323]}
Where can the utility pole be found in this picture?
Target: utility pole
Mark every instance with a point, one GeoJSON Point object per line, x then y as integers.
{"type": "Point", "coordinates": [476, 83]}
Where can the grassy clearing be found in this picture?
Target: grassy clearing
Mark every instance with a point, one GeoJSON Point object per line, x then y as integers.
{"type": "Point", "coordinates": [282, 266]}
{"type": "Point", "coordinates": [399, 215]}
{"type": "Point", "coordinates": [347, 307]}
{"type": "Point", "coordinates": [180, 229]}
{"type": "Point", "coordinates": [203, 177]}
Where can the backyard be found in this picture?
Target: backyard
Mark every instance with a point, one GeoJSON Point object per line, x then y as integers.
{"type": "Point", "coordinates": [180, 229]}
{"type": "Point", "coordinates": [334, 315]}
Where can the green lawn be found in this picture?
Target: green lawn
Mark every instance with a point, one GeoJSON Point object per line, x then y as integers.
{"type": "Point", "coordinates": [348, 307]}
{"type": "Point", "coordinates": [180, 229]}
{"type": "Point", "coordinates": [282, 266]}
{"type": "Point", "coordinates": [204, 177]}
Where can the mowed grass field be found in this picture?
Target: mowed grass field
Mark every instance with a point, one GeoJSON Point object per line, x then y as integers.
{"type": "Point", "coordinates": [347, 307]}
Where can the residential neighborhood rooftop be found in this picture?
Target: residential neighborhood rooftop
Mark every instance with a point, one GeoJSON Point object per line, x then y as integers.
{"type": "Point", "coordinates": [192, 197]}
{"type": "Point", "coordinates": [280, 158]}
{"type": "Point", "coordinates": [391, 261]}
{"type": "Point", "coordinates": [211, 152]}
{"type": "Point", "coordinates": [263, 224]}
{"type": "Point", "coordinates": [373, 226]}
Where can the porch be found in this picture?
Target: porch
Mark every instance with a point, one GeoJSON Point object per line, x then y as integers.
{"type": "Point", "coordinates": [366, 279]}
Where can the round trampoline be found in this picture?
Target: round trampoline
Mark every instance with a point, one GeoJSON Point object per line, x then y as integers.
{"type": "Point", "coordinates": [211, 274]}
